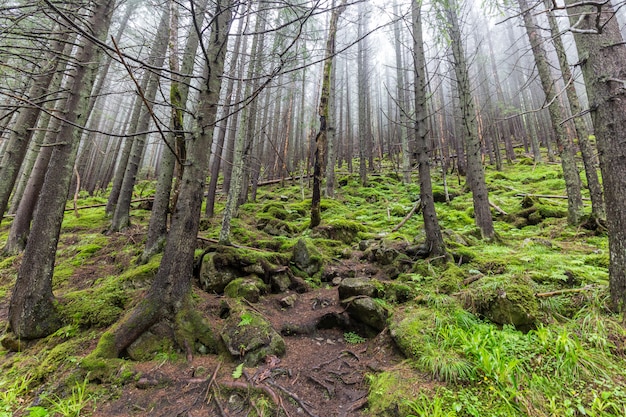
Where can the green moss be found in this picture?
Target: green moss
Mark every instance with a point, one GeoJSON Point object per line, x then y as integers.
{"type": "Point", "coordinates": [389, 390]}
{"type": "Point", "coordinates": [451, 280]}
{"type": "Point", "coordinates": [99, 306]}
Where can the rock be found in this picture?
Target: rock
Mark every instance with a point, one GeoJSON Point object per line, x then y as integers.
{"type": "Point", "coordinates": [305, 258]}
{"type": "Point", "coordinates": [280, 282]}
{"type": "Point", "coordinates": [344, 231]}
{"type": "Point", "coordinates": [249, 288]}
{"type": "Point", "coordinates": [288, 301]}
{"type": "Point", "coordinates": [249, 336]}
{"type": "Point", "coordinates": [385, 256]}
{"type": "Point", "coordinates": [364, 244]}
{"type": "Point", "coordinates": [336, 281]}
{"type": "Point", "coordinates": [505, 302]}
{"type": "Point", "coordinates": [11, 343]}
{"type": "Point", "coordinates": [366, 310]}
{"type": "Point", "coordinates": [213, 279]}
{"type": "Point", "coordinates": [351, 287]}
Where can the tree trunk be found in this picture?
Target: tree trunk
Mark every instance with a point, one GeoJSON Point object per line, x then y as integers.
{"type": "Point", "coordinates": [121, 216]}
{"type": "Point", "coordinates": [16, 148]}
{"type": "Point", "coordinates": [568, 162]}
{"type": "Point", "coordinates": [324, 111]}
{"type": "Point", "coordinates": [603, 63]}
{"type": "Point", "coordinates": [591, 170]}
{"type": "Point", "coordinates": [32, 311]}
{"type": "Point", "coordinates": [172, 284]}
{"type": "Point", "coordinates": [475, 173]}
{"type": "Point", "coordinates": [434, 239]}
{"type": "Point", "coordinates": [179, 91]}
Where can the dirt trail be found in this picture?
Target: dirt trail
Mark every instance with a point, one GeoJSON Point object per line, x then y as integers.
{"type": "Point", "coordinates": [320, 374]}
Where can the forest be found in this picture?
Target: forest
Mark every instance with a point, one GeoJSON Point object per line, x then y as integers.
{"type": "Point", "coordinates": [312, 207]}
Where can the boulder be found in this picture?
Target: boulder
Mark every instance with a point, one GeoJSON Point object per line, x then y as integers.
{"type": "Point", "coordinates": [367, 311]}
{"type": "Point", "coordinates": [248, 336]}
{"type": "Point", "coordinates": [305, 258]}
{"type": "Point", "coordinates": [213, 279]}
{"type": "Point", "coordinates": [351, 287]}
{"type": "Point", "coordinates": [250, 288]}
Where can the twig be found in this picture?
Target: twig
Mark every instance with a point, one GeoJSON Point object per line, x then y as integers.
{"type": "Point", "coordinates": [415, 208]}
{"type": "Point", "coordinates": [295, 398]}
{"type": "Point", "coordinates": [559, 292]}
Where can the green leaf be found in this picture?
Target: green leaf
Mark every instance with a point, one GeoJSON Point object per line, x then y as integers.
{"type": "Point", "coordinates": [238, 371]}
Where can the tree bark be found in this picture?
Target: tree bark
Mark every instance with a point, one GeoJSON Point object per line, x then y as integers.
{"type": "Point", "coordinates": [475, 172]}
{"type": "Point", "coordinates": [172, 284]}
{"type": "Point", "coordinates": [32, 311]}
{"type": "Point", "coordinates": [568, 162]}
{"type": "Point", "coordinates": [434, 238]}
{"type": "Point", "coordinates": [603, 63]}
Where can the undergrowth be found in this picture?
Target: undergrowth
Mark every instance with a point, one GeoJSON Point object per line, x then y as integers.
{"type": "Point", "coordinates": [566, 360]}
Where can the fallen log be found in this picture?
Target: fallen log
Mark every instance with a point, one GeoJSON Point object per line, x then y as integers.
{"type": "Point", "coordinates": [563, 197]}
{"type": "Point", "coordinates": [414, 210]}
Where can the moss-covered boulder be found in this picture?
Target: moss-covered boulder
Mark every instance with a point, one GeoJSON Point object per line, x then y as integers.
{"type": "Point", "coordinates": [158, 340]}
{"type": "Point", "coordinates": [251, 288]}
{"type": "Point", "coordinates": [216, 272]}
{"type": "Point", "coordinates": [306, 257]}
{"type": "Point", "coordinates": [368, 311]}
{"type": "Point", "coordinates": [345, 231]}
{"type": "Point", "coordinates": [250, 337]}
{"type": "Point", "coordinates": [351, 287]}
{"type": "Point", "coordinates": [505, 301]}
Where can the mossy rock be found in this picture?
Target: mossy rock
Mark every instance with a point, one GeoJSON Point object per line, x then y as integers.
{"type": "Point", "coordinates": [306, 257]}
{"type": "Point", "coordinates": [351, 287]}
{"type": "Point", "coordinates": [216, 272]}
{"type": "Point", "coordinates": [397, 292]}
{"type": "Point", "coordinates": [451, 279]}
{"type": "Point", "coordinates": [368, 311]}
{"type": "Point", "coordinates": [250, 337]}
{"type": "Point", "coordinates": [505, 300]}
{"type": "Point", "coordinates": [345, 231]}
{"type": "Point", "coordinates": [251, 288]}
{"type": "Point", "coordinates": [95, 307]}
{"type": "Point", "coordinates": [275, 227]}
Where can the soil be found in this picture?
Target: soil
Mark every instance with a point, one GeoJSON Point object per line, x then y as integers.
{"type": "Point", "coordinates": [321, 374]}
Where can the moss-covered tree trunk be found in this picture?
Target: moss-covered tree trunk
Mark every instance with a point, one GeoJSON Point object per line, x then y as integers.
{"type": "Point", "coordinates": [171, 286]}
{"type": "Point", "coordinates": [434, 239]}
{"type": "Point", "coordinates": [475, 172]}
{"type": "Point", "coordinates": [32, 311]}
{"type": "Point", "coordinates": [603, 63]}
{"type": "Point", "coordinates": [323, 112]}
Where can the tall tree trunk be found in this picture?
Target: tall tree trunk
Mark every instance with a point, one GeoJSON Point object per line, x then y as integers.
{"type": "Point", "coordinates": [179, 91]}
{"type": "Point", "coordinates": [588, 154]}
{"type": "Point", "coordinates": [362, 99]}
{"type": "Point", "coordinates": [568, 162]}
{"type": "Point", "coordinates": [324, 111]}
{"type": "Point", "coordinates": [603, 63]}
{"type": "Point", "coordinates": [171, 286]}
{"type": "Point", "coordinates": [23, 130]}
{"type": "Point", "coordinates": [32, 311]}
{"type": "Point", "coordinates": [475, 172]}
{"type": "Point", "coordinates": [121, 216]}
{"type": "Point", "coordinates": [434, 238]}
{"type": "Point", "coordinates": [400, 87]}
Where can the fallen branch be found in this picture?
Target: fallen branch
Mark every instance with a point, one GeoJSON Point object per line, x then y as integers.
{"type": "Point", "coordinates": [416, 208]}
{"type": "Point", "coordinates": [278, 180]}
{"type": "Point", "coordinates": [559, 292]}
{"type": "Point", "coordinates": [562, 197]}
{"type": "Point", "coordinates": [467, 281]}
{"type": "Point", "coordinates": [138, 200]}
{"type": "Point", "coordinates": [498, 209]}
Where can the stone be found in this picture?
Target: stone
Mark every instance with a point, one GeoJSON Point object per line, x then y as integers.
{"type": "Point", "coordinates": [367, 311]}
{"type": "Point", "coordinates": [12, 343]}
{"type": "Point", "coordinates": [248, 336]}
{"type": "Point", "coordinates": [250, 288]}
{"type": "Point", "coordinates": [280, 282]}
{"type": "Point", "coordinates": [288, 301]}
{"type": "Point", "coordinates": [304, 259]}
{"type": "Point", "coordinates": [351, 287]}
{"type": "Point", "coordinates": [213, 279]}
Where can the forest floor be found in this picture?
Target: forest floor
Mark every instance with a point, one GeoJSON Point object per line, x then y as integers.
{"type": "Point", "coordinates": [514, 327]}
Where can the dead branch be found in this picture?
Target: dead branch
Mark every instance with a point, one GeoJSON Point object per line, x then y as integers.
{"type": "Point", "coordinates": [328, 388]}
{"type": "Point", "coordinates": [566, 291]}
{"type": "Point", "coordinates": [563, 197]}
{"type": "Point", "coordinates": [467, 281]}
{"type": "Point", "coordinates": [498, 209]}
{"type": "Point", "coordinates": [416, 209]}
{"type": "Point", "coordinates": [279, 180]}
{"type": "Point", "coordinates": [137, 200]}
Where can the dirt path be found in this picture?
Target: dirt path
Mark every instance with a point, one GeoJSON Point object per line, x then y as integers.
{"type": "Point", "coordinates": [320, 375]}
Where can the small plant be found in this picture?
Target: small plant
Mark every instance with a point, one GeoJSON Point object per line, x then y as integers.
{"type": "Point", "coordinates": [72, 405]}
{"type": "Point", "coordinates": [246, 319]}
{"type": "Point", "coordinates": [238, 371]}
{"type": "Point", "coordinates": [353, 338]}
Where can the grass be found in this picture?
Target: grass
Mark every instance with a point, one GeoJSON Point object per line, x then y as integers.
{"type": "Point", "coordinates": [568, 362]}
